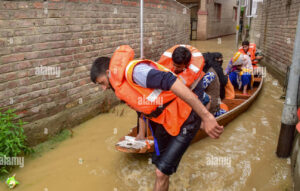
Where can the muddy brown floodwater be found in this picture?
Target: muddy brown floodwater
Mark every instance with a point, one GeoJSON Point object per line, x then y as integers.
{"type": "Point", "coordinates": [243, 159]}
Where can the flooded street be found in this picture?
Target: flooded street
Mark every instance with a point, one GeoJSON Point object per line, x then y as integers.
{"type": "Point", "coordinates": [243, 159]}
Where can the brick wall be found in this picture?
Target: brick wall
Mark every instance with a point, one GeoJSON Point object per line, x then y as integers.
{"type": "Point", "coordinates": [66, 36]}
{"type": "Point", "coordinates": [274, 32]}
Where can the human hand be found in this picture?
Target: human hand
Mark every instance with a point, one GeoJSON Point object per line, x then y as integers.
{"type": "Point", "coordinates": [211, 127]}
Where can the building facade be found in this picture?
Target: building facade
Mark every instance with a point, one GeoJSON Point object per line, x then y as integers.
{"type": "Point", "coordinates": [212, 18]}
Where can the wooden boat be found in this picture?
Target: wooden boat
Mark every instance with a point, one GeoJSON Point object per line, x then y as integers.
{"type": "Point", "coordinates": [236, 106]}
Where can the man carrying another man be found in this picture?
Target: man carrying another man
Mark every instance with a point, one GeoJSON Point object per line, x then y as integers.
{"type": "Point", "coordinates": [180, 116]}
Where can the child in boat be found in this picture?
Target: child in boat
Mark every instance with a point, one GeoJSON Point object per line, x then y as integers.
{"type": "Point", "coordinates": [240, 71]}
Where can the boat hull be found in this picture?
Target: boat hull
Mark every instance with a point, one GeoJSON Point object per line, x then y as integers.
{"type": "Point", "coordinates": [236, 107]}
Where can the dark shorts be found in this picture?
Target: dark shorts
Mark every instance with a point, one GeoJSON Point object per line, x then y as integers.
{"type": "Point", "coordinates": [172, 148]}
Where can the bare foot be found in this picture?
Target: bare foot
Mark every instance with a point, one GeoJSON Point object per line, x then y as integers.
{"type": "Point", "coordinates": [140, 137]}
{"type": "Point", "coordinates": [245, 90]}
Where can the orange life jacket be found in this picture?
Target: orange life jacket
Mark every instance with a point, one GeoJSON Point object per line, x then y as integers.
{"type": "Point", "coordinates": [229, 90]}
{"type": "Point", "coordinates": [193, 73]}
{"type": "Point", "coordinates": [224, 106]}
{"type": "Point", "coordinates": [251, 52]}
{"type": "Point", "coordinates": [146, 100]}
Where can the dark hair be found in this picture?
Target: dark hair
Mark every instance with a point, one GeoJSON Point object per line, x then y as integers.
{"type": "Point", "coordinates": [210, 62]}
{"type": "Point", "coordinates": [209, 59]}
{"type": "Point", "coordinates": [217, 55]}
{"type": "Point", "coordinates": [181, 55]}
{"type": "Point", "coordinates": [246, 42]}
{"type": "Point", "coordinates": [99, 67]}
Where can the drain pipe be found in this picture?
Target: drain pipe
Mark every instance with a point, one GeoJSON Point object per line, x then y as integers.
{"type": "Point", "coordinates": [289, 115]}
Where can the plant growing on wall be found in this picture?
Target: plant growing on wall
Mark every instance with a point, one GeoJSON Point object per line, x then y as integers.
{"type": "Point", "coordinates": [12, 138]}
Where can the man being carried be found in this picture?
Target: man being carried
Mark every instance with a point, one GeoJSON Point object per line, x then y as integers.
{"type": "Point", "coordinates": [176, 121]}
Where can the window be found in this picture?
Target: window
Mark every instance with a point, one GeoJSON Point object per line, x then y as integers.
{"type": "Point", "coordinates": [218, 7]}
{"type": "Point", "coordinates": [234, 15]}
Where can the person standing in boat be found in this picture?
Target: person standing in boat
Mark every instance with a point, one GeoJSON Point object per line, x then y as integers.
{"type": "Point", "coordinates": [185, 61]}
{"type": "Point", "coordinates": [176, 121]}
{"type": "Point", "coordinates": [172, 59]}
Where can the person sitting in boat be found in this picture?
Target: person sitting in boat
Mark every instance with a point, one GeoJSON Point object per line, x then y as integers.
{"type": "Point", "coordinates": [223, 79]}
{"type": "Point", "coordinates": [226, 88]}
{"type": "Point", "coordinates": [240, 72]}
{"type": "Point", "coordinates": [215, 60]}
{"type": "Point", "coordinates": [212, 82]}
{"type": "Point", "coordinates": [250, 50]}
{"type": "Point", "coordinates": [176, 121]}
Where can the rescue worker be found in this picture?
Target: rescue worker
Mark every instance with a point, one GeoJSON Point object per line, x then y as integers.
{"type": "Point", "coordinates": [172, 60]}
{"type": "Point", "coordinates": [176, 122]}
{"type": "Point", "coordinates": [189, 70]}
{"type": "Point", "coordinates": [250, 50]}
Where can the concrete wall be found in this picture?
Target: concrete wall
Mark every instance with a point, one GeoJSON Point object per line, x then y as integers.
{"type": "Point", "coordinates": [67, 35]}
{"type": "Point", "coordinates": [274, 32]}
{"type": "Point", "coordinates": [202, 21]}
{"type": "Point", "coordinates": [209, 26]}
{"type": "Point", "coordinates": [227, 23]}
